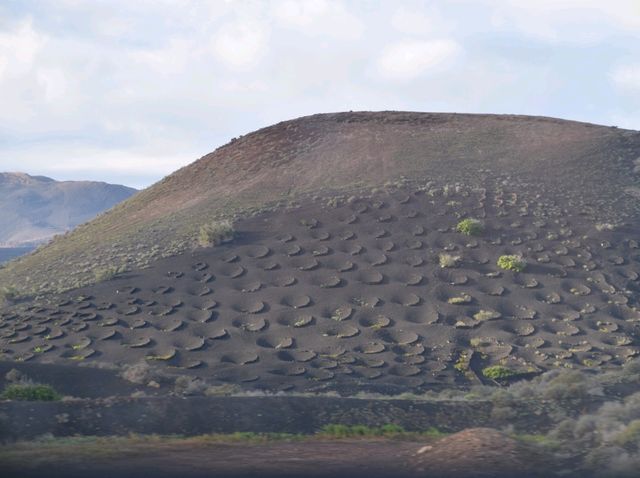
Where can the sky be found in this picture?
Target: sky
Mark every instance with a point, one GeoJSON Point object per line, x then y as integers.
{"type": "Point", "coordinates": [128, 91]}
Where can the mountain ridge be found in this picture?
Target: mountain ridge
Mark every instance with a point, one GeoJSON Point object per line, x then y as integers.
{"type": "Point", "coordinates": [36, 208]}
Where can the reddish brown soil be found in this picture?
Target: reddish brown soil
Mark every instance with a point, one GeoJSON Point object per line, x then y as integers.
{"type": "Point", "coordinates": [480, 452]}
{"type": "Point", "coordinates": [464, 455]}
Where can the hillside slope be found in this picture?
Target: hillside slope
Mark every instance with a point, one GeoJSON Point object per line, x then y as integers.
{"type": "Point", "coordinates": [589, 167]}
{"type": "Point", "coordinates": [36, 208]}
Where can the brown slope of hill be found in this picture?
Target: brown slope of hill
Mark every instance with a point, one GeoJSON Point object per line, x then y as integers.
{"type": "Point", "coordinates": [36, 208]}
{"type": "Point", "coordinates": [591, 166]}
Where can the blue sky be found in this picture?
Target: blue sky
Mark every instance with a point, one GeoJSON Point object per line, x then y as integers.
{"type": "Point", "coordinates": [129, 91]}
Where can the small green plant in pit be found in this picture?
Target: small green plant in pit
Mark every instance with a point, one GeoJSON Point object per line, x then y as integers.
{"type": "Point", "coordinates": [448, 260]}
{"type": "Point", "coordinates": [30, 392]}
{"type": "Point", "coordinates": [483, 315]}
{"type": "Point", "coordinates": [470, 227]}
{"type": "Point", "coordinates": [167, 356]}
{"type": "Point", "coordinates": [511, 263]}
{"type": "Point", "coordinates": [461, 299]}
{"type": "Point", "coordinates": [462, 364]}
{"type": "Point", "coordinates": [497, 372]}
{"type": "Point", "coordinates": [216, 233]}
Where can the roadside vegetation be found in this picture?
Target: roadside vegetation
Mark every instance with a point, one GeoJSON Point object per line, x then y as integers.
{"type": "Point", "coordinates": [52, 449]}
{"type": "Point", "coordinates": [30, 392]}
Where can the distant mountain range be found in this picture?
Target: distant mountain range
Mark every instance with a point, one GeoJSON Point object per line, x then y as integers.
{"type": "Point", "coordinates": [33, 209]}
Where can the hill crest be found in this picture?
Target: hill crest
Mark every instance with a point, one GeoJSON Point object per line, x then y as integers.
{"type": "Point", "coordinates": [589, 166]}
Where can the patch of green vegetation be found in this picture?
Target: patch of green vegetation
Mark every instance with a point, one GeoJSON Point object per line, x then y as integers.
{"type": "Point", "coordinates": [215, 233]}
{"type": "Point", "coordinates": [497, 372]}
{"type": "Point", "coordinates": [511, 263]}
{"type": "Point", "coordinates": [483, 315]}
{"type": "Point", "coordinates": [338, 431]}
{"type": "Point", "coordinates": [540, 440]}
{"type": "Point", "coordinates": [470, 227]}
{"type": "Point", "coordinates": [462, 364]}
{"type": "Point", "coordinates": [30, 392]}
{"type": "Point", "coordinates": [448, 260]}
{"type": "Point", "coordinates": [461, 299]}
{"type": "Point", "coordinates": [107, 273]}
{"type": "Point", "coordinates": [167, 356]}
{"type": "Point", "coordinates": [8, 294]}
{"type": "Point", "coordinates": [629, 438]}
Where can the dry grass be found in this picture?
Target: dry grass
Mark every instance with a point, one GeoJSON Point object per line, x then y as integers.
{"type": "Point", "coordinates": [448, 260]}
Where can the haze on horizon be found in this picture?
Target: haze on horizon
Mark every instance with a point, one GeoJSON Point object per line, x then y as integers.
{"type": "Point", "coordinates": [127, 92]}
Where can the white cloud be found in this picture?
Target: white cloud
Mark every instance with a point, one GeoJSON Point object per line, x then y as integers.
{"type": "Point", "coordinates": [570, 21]}
{"type": "Point", "coordinates": [172, 58]}
{"type": "Point", "coordinates": [53, 82]}
{"type": "Point", "coordinates": [241, 44]}
{"type": "Point", "coordinates": [318, 17]}
{"type": "Point", "coordinates": [627, 77]}
{"type": "Point", "coordinates": [18, 49]}
{"type": "Point", "coordinates": [408, 60]}
{"type": "Point", "coordinates": [299, 13]}
{"type": "Point", "coordinates": [412, 21]}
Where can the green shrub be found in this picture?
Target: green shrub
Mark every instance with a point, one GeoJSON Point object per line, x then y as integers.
{"type": "Point", "coordinates": [496, 372]}
{"type": "Point", "coordinates": [8, 294]}
{"type": "Point", "coordinates": [216, 233]}
{"type": "Point", "coordinates": [448, 260]}
{"type": "Point", "coordinates": [349, 431]}
{"type": "Point", "coordinates": [460, 299]}
{"type": "Point", "coordinates": [30, 392]}
{"type": "Point", "coordinates": [107, 273]}
{"type": "Point", "coordinates": [470, 227]}
{"type": "Point", "coordinates": [629, 438]}
{"type": "Point", "coordinates": [511, 263]}
{"type": "Point", "coordinates": [483, 315]}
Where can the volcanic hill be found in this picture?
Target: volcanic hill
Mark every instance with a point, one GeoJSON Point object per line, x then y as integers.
{"type": "Point", "coordinates": [349, 269]}
{"type": "Point", "coordinates": [594, 168]}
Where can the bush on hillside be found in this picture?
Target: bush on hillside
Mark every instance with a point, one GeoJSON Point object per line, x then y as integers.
{"type": "Point", "coordinates": [448, 260]}
{"type": "Point", "coordinates": [215, 233]}
{"type": "Point", "coordinates": [470, 227]}
{"type": "Point", "coordinates": [497, 372]}
{"type": "Point", "coordinates": [107, 273]}
{"type": "Point", "coordinates": [30, 392]}
{"type": "Point", "coordinates": [7, 294]}
{"type": "Point", "coordinates": [511, 263]}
